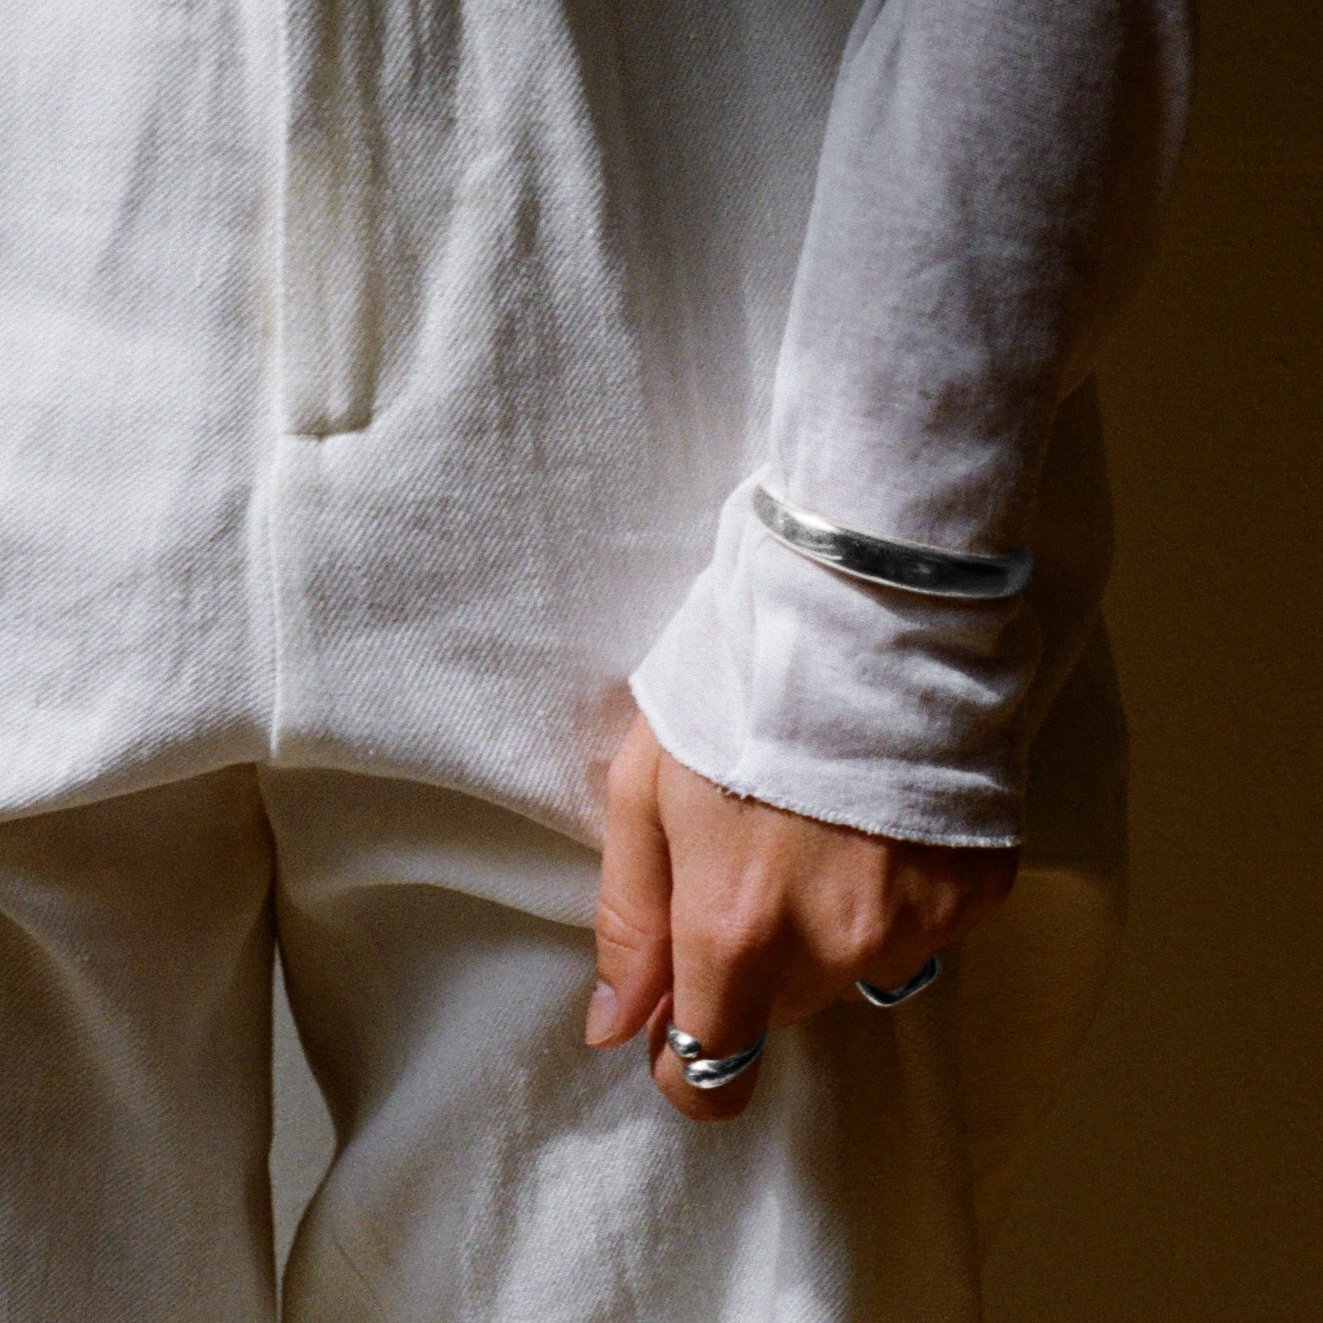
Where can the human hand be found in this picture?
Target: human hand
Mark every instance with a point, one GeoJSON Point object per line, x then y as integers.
{"type": "Point", "coordinates": [729, 915]}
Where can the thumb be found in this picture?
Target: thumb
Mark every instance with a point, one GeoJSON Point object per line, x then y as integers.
{"type": "Point", "coordinates": [632, 920]}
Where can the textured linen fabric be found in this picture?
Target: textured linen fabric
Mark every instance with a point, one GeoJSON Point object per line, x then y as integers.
{"type": "Point", "coordinates": [380, 385]}
{"type": "Point", "coordinates": [486, 1166]}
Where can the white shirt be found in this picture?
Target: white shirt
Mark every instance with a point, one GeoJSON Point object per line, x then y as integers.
{"type": "Point", "coordinates": [382, 385]}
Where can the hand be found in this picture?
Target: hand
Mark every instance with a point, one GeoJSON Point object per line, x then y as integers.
{"type": "Point", "coordinates": [729, 915]}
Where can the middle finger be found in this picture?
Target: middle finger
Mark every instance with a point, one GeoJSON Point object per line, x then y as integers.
{"type": "Point", "coordinates": [726, 976]}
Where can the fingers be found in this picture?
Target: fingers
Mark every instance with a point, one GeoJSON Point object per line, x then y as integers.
{"type": "Point", "coordinates": [732, 918]}
{"type": "Point", "coordinates": [632, 921]}
{"type": "Point", "coordinates": [725, 979]}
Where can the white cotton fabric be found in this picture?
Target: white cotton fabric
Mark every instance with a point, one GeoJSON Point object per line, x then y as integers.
{"type": "Point", "coordinates": [485, 1166]}
{"type": "Point", "coordinates": [380, 387]}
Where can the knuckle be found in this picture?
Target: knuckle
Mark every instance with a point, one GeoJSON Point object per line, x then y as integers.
{"type": "Point", "coordinates": [864, 929]}
{"type": "Point", "coordinates": [860, 948]}
{"type": "Point", "coordinates": [860, 933]}
{"type": "Point", "coordinates": [618, 929]}
{"type": "Point", "coordinates": [955, 908]}
{"type": "Point", "coordinates": [738, 938]}
{"type": "Point", "coordinates": [837, 952]}
{"type": "Point", "coordinates": [941, 910]}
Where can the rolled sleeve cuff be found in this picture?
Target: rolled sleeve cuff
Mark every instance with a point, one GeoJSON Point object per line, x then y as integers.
{"type": "Point", "coordinates": [897, 713]}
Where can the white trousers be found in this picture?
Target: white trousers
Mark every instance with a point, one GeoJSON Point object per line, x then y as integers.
{"type": "Point", "coordinates": [488, 1167]}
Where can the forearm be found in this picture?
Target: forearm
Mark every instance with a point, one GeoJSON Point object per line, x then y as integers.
{"type": "Point", "coordinates": [992, 179]}
{"type": "Point", "coordinates": [990, 185]}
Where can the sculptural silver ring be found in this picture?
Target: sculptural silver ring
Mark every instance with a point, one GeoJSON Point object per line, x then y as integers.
{"type": "Point", "coordinates": [710, 1072]}
{"type": "Point", "coordinates": [894, 996]}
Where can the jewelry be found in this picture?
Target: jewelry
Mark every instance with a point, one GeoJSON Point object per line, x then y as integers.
{"type": "Point", "coordinates": [710, 1072]}
{"type": "Point", "coordinates": [908, 565]}
{"type": "Point", "coordinates": [894, 996]}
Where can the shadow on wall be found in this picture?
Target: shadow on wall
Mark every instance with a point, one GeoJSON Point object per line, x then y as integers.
{"type": "Point", "coordinates": [1179, 1177]}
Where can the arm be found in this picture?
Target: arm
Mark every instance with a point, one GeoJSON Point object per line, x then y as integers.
{"type": "Point", "coordinates": [991, 183]}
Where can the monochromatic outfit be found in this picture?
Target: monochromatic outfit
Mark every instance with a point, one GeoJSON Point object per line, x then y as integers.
{"type": "Point", "coordinates": [383, 385]}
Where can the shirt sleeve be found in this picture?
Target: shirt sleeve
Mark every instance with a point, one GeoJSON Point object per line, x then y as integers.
{"type": "Point", "coordinates": [990, 186]}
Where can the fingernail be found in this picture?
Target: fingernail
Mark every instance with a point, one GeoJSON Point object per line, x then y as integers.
{"type": "Point", "coordinates": [601, 1014]}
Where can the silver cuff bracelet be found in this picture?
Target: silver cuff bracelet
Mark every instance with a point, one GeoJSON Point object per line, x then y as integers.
{"type": "Point", "coordinates": [906, 565]}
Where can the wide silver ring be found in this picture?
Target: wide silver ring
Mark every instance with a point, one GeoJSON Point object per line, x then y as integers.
{"type": "Point", "coordinates": [710, 1072]}
{"type": "Point", "coordinates": [907, 565]}
{"type": "Point", "coordinates": [894, 996]}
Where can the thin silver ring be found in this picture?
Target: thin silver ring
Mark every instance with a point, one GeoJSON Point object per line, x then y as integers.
{"type": "Point", "coordinates": [894, 996]}
{"type": "Point", "coordinates": [710, 1072]}
{"type": "Point", "coordinates": [907, 565]}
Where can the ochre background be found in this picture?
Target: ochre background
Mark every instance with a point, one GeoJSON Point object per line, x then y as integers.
{"type": "Point", "coordinates": [1180, 1176]}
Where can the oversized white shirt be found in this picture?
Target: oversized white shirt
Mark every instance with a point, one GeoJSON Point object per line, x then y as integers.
{"type": "Point", "coordinates": [382, 385]}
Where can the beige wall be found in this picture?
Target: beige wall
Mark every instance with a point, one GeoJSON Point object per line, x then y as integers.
{"type": "Point", "coordinates": [1180, 1177]}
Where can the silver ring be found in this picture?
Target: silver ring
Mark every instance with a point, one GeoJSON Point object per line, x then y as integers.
{"type": "Point", "coordinates": [908, 565]}
{"type": "Point", "coordinates": [710, 1072]}
{"type": "Point", "coordinates": [894, 996]}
